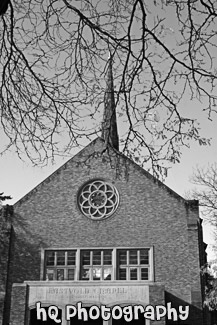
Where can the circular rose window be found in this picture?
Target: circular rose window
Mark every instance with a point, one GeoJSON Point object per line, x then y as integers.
{"type": "Point", "coordinates": [98, 199]}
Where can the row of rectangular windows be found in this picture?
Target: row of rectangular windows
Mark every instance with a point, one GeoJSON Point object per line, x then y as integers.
{"type": "Point", "coordinates": [95, 264]}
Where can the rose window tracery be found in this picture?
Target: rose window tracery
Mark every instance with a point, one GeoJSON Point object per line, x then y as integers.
{"type": "Point", "coordinates": [98, 199]}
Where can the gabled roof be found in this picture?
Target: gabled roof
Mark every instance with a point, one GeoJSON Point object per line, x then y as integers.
{"type": "Point", "coordinates": [102, 144]}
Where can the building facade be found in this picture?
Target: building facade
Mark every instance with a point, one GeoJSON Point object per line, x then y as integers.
{"type": "Point", "coordinates": [101, 231]}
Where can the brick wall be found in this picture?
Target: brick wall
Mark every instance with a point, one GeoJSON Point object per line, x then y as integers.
{"type": "Point", "coordinates": [157, 297]}
{"type": "Point", "coordinates": [6, 243]}
{"type": "Point", "coordinates": [18, 304]}
{"type": "Point", "coordinates": [149, 214]}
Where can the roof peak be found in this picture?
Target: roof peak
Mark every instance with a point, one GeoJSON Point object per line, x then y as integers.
{"type": "Point", "coordinates": [109, 124]}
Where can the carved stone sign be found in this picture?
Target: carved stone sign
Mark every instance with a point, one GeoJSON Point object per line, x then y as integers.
{"type": "Point", "coordinates": [108, 295]}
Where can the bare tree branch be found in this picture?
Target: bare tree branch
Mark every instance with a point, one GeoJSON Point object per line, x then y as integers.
{"type": "Point", "coordinates": [205, 191]}
{"type": "Point", "coordinates": [53, 57]}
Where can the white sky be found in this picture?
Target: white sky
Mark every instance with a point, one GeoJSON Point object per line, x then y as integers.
{"type": "Point", "coordinates": [18, 177]}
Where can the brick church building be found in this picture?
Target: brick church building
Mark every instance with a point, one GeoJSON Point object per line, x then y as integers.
{"type": "Point", "coordinates": [101, 231]}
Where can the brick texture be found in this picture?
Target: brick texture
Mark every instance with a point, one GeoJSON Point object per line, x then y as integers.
{"type": "Point", "coordinates": [18, 304]}
{"type": "Point", "coordinates": [6, 247]}
{"type": "Point", "coordinates": [149, 214]}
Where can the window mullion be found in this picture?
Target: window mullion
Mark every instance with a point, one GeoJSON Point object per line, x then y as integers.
{"type": "Point", "coordinates": [55, 259]}
{"type": "Point", "coordinates": [138, 265]}
{"type": "Point", "coordinates": [91, 265]}
{"type": "Point", "coordinates": [102, 266]}
{"type": "Point", "coordinates": [114, 264]}
{"type": "Point", "coordinates": [151, 264]}
{"type": "Point", "coordinates": [78, 266]}
{"type": "Point", "coordinates": [91, 258]}
{"type": "Point", "coordinates": [55, 265]}
{"type": "Point", "coordinates": [128, 265]}
{"type": "Point", "coordinates": [66, 258]}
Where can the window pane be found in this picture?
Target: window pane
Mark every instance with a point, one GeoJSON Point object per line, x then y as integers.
{"type": "Point", "coordinates": [107, 258]}
{"type": "Point", "coordinates": [85, 260]}
{"type": "Point", "coordinates": [97, 273]}
{"type": "Point", "coordinates": [71, 274]}
{"type": "Point", "coordinates": [133, 274]}
{"type": "Point", "coordinates": [85, 274]}
{"type": "Point", "coordinates": [122, 257]}
{"type": "Point", "coordinates": [107, 273]}
{"type": "Point", "coordinates": [144, 273]}
{"type": "Point", "coordinates": [49, 274]}
{"type": "Point", "coordinates": [50, 258]}
{"type": "Point", "coordinates": [71, 258]}
{"type": "Point", "coordinates": [144, 256]}
{"type": "Point", "coordinates": [96, 257]}
{"type": "Point", "coordinates": [60, 274]}
{"type": "Point", "coordinates": [60, 258]}
{"type": "Point", "coordinates": [122, 274]}
{"type": "Point", "coordinates": [133, 257]}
